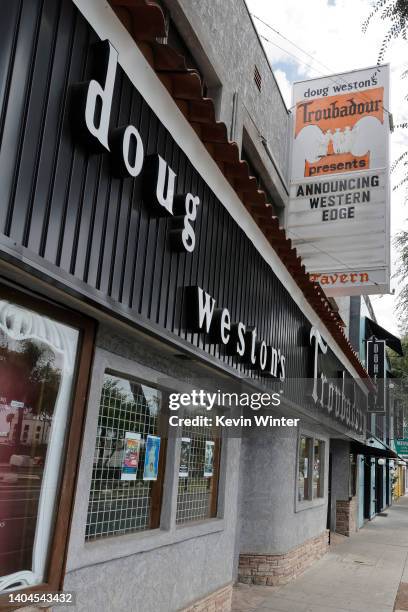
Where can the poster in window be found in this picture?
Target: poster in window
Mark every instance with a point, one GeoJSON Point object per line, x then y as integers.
{"type": "Point", "coordinates": [151, 464]}
{"type": "Point", "coordinates": [209, 459]}
{"type": "Point", "coordinates": [184, 457]}
{"type": "Point", "coordinates": [130, 456]}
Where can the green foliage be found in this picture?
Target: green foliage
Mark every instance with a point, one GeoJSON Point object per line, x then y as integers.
{"type": "Point", "coordinates": [399, 390]}
{"type": "Point", "coordinates": [395, 13]}
{"type": "Point", "coordinates": [399, 365]}
{"type": "Point", "coordinates": [117, 406]}
{"type": "Point", "coordinates": [30, 374]}
{"type": "Point", "coordinates": [401, 242]}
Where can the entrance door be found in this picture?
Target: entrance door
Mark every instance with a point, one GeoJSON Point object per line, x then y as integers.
{"type": "Point", "coordinates": [360, 477]}
{"type": "Point", "coordinates": [369, 487]}
{"type": "Point", "coordinates": [379, 487]}
{"type": "Point", "coordinates": [328, 522]}
{"type": "Point", "coordinates": [373, 492]}
{"type": "Point", "coordinates": [384, 471]}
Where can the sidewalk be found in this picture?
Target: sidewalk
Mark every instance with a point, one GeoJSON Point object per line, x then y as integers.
{"type": "Point", "coordinates": [361, 574]}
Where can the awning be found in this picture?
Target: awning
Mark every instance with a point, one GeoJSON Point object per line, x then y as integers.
{"type": "Point", "coordinates": [373, 329]}
{"type": "Point", "coordinates": [370, 451]}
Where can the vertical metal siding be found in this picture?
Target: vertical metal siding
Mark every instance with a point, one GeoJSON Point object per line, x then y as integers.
{"type": "Point", "coordinates": [65, 206]}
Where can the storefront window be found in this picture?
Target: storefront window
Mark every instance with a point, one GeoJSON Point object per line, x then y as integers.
{"type": "Point", "coordinates": [318, 456]}
{"type": "Point", "coordinates": [198, 474]}
{"type": "Point", "coordinates": [127, 472]}
{"type": "Point", "coordinates": [304, 464]}
{"type": "Point", "coordinates": [310, 468]}
{"type": "Point", "coordinates": [37, 362]}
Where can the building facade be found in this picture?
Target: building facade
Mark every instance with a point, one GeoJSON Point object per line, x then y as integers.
{"type": "Point", "coordinates": [141, 258]}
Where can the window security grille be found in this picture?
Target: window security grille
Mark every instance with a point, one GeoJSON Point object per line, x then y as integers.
{"type": "Point", "coordinates": [195, 498]}
{"type": "Point", "coordinates": [121, 506]}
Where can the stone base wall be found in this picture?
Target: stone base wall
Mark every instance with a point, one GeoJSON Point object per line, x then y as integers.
{"type": "Point", "coordinates": [274, 570]}
{"type": "Point", "coordinates": [346, 516]}
{"type": "Point", "coordinates": [218, 601]}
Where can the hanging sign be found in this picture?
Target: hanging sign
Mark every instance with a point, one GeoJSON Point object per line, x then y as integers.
{"type": "Point", "coordinates": [401, 446]}
{"type": "Point", "coordinates": [376, 367]}
{"type": "Point", "coordinates": [338, 215]}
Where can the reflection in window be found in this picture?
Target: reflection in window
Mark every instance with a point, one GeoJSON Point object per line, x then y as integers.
{"type": "Point", "coordinates": [318, 455]}
{"type": "Point", "coordinates": [125, 478]}
{"type": "Point", "coordinates": [304, 466]}
{"type": "Point", "coordinates": [198, 474]}
{"type": "Point", "coordinates": [36, 367]}
{"type": "Point", "coordinates": [310, 468]}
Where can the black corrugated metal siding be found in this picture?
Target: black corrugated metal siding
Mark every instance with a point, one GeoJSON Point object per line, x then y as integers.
{"type": "Point", "coordinates": [64, 205]}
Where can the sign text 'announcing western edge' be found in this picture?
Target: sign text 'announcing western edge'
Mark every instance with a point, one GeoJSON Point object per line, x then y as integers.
{"type": "Point", "coordinates": [338, 215]}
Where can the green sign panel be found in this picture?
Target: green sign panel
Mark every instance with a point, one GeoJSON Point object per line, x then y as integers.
{"type": "Point", "coordinates": [401, 446]}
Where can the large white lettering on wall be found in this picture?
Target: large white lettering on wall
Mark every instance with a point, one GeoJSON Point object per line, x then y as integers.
{"type": "Point", "coordinates": [91, 115]}
{"type": "Point", "coordinates": [331, 397]}
{"type": "Point", "coordinates": [185, 209]}
{"type": "Point", "coordinates": [98, 98]}
{"type": "Point", "coordinates": [239, 339]}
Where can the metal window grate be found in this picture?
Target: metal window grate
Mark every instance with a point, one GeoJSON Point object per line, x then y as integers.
{"type": "Point", "coordinates": [195, 492]}
{"type": "Point", "coordinates": [257, 78]}
{"type": "Point", "coordinates": [121, 506]}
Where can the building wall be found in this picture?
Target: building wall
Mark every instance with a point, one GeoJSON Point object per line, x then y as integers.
{"type": "Point", "coordinates": [171, 572]}
{"type": "Point", "coordinates": [271, 520]}
{"type": "Point", "coordinates": [355, 322]}
{"type": "Point", "coordinates": [224, 42]}
{"type": "Point", "coordinates": [343, 304]}
{"type": "Point", "coordinates": [163, 580]}
{"type": "Point", "coordinates": [340, 457]}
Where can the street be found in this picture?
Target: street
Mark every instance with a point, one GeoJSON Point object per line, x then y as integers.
{"type": "Point", "coordinates": [362, 573]}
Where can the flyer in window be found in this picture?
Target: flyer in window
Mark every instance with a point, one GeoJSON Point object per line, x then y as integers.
{"type": "Point", "coordinates": [151, 464]}
{"type": "Point", "coordinates": [130, 456]}
{"type": "Point", "coordinates": [209, 459]}
{"type": "Point", "coordinates": [184, 457]}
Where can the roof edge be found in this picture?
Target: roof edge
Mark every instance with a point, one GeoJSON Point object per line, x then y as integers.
{"type": "Point", "coordinates": [145, 22]}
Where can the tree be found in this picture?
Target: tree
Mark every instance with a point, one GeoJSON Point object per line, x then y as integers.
{"type": "Point", "coordinates": [395, 13]}
{"type": "Point", "coordinates": [399, 363]}
{"type": "Point", "coordinates": [399, 369]}
{"type": "Point", "coordinates": [401, 242]}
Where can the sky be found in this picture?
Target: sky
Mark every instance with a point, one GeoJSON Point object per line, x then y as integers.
{"type": "Point", "coordinates": [322, 37]}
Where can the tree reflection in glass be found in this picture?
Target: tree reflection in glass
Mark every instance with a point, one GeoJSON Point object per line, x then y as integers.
{"type": "Point", "coordinates": [30, 375]}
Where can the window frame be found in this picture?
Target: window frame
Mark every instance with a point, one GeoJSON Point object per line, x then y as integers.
{"type": "Point", "coordinates": [312, 502]}
{"type": "Point", "coordinates": [86, 327]}
{"type": "Point", "coordinates": [309, 447]}
{"type": "Point", "coordinates": [214, 498]}
{"type": "Point", "coordinates": [157, 485]}
{"type": "Point", "coordinates": [322, 448]}
{"type": "Point", "coordinates": [83, 553]}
